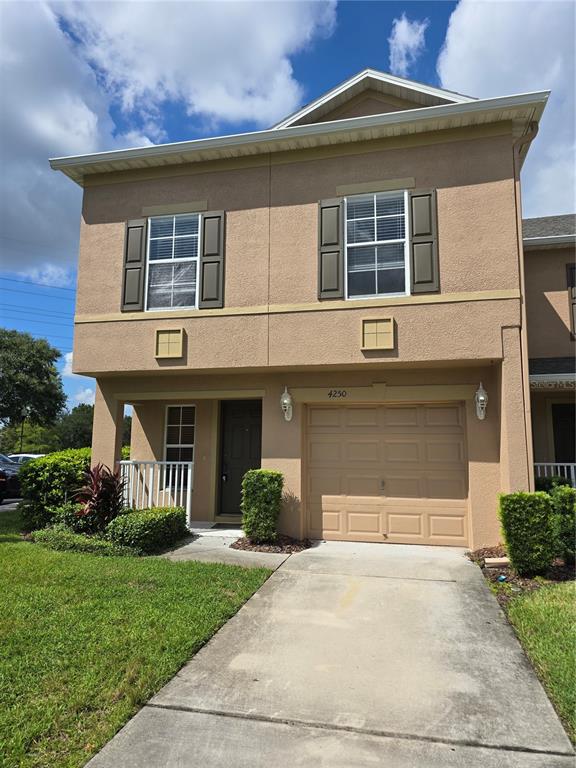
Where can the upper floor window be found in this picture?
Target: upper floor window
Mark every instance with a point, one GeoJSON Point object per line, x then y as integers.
{"type": "Point", "coordinates": [376, 245]}
{"type": "Point", "coordinates": [172, 261]}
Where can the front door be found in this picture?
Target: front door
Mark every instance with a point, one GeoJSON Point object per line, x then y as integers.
{"type": "Point", "coordinates": [240, 449]}
{"type": "Point", "coordinates": [563, 418]}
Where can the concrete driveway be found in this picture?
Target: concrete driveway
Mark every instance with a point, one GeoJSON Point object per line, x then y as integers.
{"type": "Point", "coordinates": [354, 655]}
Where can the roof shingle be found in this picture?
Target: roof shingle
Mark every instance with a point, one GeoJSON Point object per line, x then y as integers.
{"type": "Point", "coordinates": [549, 226]}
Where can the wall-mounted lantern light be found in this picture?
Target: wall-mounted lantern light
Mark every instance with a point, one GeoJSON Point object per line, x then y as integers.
{"type": "Point", "coordinates": [286, 404]}
{"type": "Point", "coordinates": [481, 400]}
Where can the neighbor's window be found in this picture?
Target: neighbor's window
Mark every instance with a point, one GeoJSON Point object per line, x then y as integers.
{"type": "Point", "coordinates": [180, 420]}
{"type": "Point", "coordinates": [376, 250]}
{"type": "Point", "coordinates": [173, 248]}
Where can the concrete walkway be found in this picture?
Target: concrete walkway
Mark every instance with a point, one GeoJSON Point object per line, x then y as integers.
{"type": "Point", "coordinates": [354, 655]}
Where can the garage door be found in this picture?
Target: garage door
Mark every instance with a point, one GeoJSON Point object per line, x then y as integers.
{"type": "Point", "coordinates": [387, 473]}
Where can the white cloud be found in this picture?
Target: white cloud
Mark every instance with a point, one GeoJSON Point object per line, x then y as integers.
{"type": "Point", "coordinates": [407, 43]}
{"type": "Point", "coordinates": [496, 49]}
{"type": "Point", "coordinates": [67, 369]}
{"type": "Point", "coordinates": [85, 396]}
{"type": "Point", "coordinates": [65, 68]}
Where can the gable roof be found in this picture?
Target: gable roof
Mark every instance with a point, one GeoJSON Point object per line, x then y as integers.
{"type": "Point", "coordinates": [549, 231]}
{"type": "Point", "coordinates": [374, 80]}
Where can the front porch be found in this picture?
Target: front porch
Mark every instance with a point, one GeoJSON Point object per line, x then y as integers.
{"type": "Point", "coordinates": [553, 407]}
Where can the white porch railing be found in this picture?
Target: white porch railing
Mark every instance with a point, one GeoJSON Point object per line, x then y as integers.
{"type": "Point", "coordinates": [554, 470]}
{"type": "Point", "coordinates": [158, 484]}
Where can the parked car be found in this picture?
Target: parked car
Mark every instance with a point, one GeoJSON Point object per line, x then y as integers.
{"type": "Point", "coordinates": [10, 469]}
{"type": "Point", "coordinates": [23, 458]}
{"type": "Point", "coordinates": [3, 486]}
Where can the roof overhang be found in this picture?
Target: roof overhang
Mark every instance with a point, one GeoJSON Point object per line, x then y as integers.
{"type": "Point", "coordinates": [551, 241]}
{"type": "Point", "coordinates": [521, 110]}
{"type": "Point", "coordinates": [381, 82]}
{"type": "Point", "coordinates": [556, 381]}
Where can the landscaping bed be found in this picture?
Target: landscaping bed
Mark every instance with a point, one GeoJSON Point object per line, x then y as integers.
{"type": "Point", "coordinates": [282, 545]}
{"type": "Point", "coordinates": [85, 641]}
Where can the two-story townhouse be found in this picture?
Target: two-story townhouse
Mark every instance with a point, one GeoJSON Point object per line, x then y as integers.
{"type": "Point", "coordinates": [334, 297]}
{"type": "Point", "coordinates": [549, 257]}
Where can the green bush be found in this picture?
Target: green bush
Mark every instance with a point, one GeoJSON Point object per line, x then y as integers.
{"type": "Point", "coordinates": [34, 515]}
{"type": "Point", "coordinates": [547, 484]}
{"type": "Point", "coordinates": [148, 529]}
{"type": "Point", "coordinates": [64, 540]}
{"type": "Point", "coordinates": [564, 505]}
{"type": "Point", "coordinates": [51, 480]}
{"type": "Point", "coordinates": [529, 530]}
{"type": "Point", "coordinates": [68, 515]}
{"type": "Point", "coordinates": [261, 504]}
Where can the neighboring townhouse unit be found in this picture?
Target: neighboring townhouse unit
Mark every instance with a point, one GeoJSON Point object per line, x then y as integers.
{"type": "Point", "coordinates": [549, 258]}
{"type": "Point", "coordinates": [333, 298]}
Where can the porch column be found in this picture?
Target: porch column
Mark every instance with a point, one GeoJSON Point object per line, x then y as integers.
{"type": "Point", "coordinates": [107, 426]}
{"type": "Point", "coordinates": [516, 456]}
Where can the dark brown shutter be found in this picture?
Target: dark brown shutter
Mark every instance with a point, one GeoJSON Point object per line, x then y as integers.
{"type": "Point", "coordinates": [424, 272]}
{"type": "Point", "coordinates": [331, 249]}
{"type": "Point", "coordinates": [211, 279]}
{"type": "Point", "coordinates": [134, 266]}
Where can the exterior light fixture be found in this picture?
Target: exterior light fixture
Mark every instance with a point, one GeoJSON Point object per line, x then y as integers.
{"type": "Point", "coordinates": [286, 404]}
{"type": "Point", "coordinates": [481, 400]}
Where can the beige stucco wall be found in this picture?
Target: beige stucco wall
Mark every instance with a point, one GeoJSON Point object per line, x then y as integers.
{"type": "Point", "coordinates": [547, 302]}
{"type": "Point", "coordinates": [283, 443]}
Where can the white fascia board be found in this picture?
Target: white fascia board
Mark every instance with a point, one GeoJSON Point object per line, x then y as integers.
{"type": "Point", "coordinates": [264, 141]}
{"type": "Point", "coordinates": [536, 242]}
{"type": "Point", "coordinates": [375, 75]}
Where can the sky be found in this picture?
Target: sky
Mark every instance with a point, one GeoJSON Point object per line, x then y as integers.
{"type": "Point", "coordinates": [80, 77]}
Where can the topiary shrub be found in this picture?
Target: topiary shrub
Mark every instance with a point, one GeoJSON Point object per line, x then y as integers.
{"type": "Point", "coordinates": [101, 497]}
{"type": "Point", "coordinates": [63, 540]}
{"type": "Point", "coordinates": [549, 483]}
{"type": "Point", "coordinates": [261, 504]}
{"type": "Point", "coordinates": [528, 527]}
{"type": "Point", "coordinates": [564, 505]}
{"type": "Point", "coordinates": [150, 530]}
{"type": "Point", "coordinates": [51, 480]}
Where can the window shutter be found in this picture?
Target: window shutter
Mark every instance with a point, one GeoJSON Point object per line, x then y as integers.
{"type": "Point", "coordinates": [211, 278]}
{"type": "Point", "coordinates": [331, 249]}
{"type": "Point", "coordinates": [424, 272]}
{"type": "Point", "coordinates": [134, 266]}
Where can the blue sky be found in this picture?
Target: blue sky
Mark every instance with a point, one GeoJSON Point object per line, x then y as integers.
{"type": "Point", "coordinates": [101, 76]}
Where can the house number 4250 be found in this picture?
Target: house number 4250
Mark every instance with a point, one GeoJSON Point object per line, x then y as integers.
{"type": "Point", "coordinates": [336, 393]}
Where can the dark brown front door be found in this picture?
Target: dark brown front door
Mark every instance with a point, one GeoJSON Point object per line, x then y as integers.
{"type": "Point", "coordinates": [240, 449]}
{"type": "Point", "coordinates": [563, 423]}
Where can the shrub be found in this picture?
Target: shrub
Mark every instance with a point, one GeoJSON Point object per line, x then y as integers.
{"type": "Point", "coordinates": [564, 505]}
{"type": "Point", "coordinates": [148, 529]}
{"type": "Point", "coordinates": [51, 480]}
{"type": "Point", "coordinates": [547, 484]}
{"type": "Point", "coordinates": [68, 515]}
{"type": "Point", "coordinates": [34, 515]}
{"type": "Point", "coordinates": [261, 503]}
{"type": "Point", "coordinates": [64, 540]}
{"type": "Point", "coordinates": [529, 530]}
{"type": "Point", "coordinates": [101, 497]}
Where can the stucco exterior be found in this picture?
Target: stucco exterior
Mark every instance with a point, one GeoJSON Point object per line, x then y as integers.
{"type": "Point", "coordinates": [273, 332]}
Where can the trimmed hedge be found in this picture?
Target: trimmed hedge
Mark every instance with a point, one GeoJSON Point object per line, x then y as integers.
{"type": "Point", "coordinates": [529, 529]}
{"type": "Point", "coordinates": [261, 504]}
{"type": "Point", "coordinates": [150, 530]}
{"type": "Point", "coordinates": [51, 481]}
{"type": "Point", "coordinates": [549, 483]}
{"type": "Point", "coordinates": [61, 539]}
{"type": "Point", "coordinates": [564, 505]}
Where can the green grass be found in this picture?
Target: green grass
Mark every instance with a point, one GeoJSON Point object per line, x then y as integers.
{"type": "Point", "coordinates": [86, 640]}
{"type": "Point", "coordinates": [545, 621]}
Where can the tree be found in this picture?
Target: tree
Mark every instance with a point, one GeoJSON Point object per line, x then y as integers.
{"type": "Point", "coordinates": [30, 385]}
{"type": "Point", "coordinates": [35, 439]}
{"type": "Point", "coordinates": [74, 429]}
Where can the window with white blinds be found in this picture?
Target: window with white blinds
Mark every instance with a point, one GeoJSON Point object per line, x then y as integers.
{"type": "Point", "coordinates": [376, 245]}
{"type": "Point", "coordinates": [172, 258]}
{"type": "Point", "coordinates": [180, 427]}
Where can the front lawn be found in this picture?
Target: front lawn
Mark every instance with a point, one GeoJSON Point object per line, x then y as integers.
{"type": "Point", "coordinates": [86, 640]}
{"type": "Point", "coordinates": [545, 621]}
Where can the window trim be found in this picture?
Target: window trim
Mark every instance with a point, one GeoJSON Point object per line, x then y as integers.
{"type": "Point", "coordinates": [196, 258]}
{"type": "Point", "coordinates": [179, 445]}
{"type": "Point", "coordinates": [407, 224]}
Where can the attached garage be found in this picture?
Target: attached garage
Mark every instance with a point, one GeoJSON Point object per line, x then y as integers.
{"type": "Point", "coordinates": [387, 473]}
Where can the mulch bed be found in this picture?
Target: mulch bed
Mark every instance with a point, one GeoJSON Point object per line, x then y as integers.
{"type": "Point", "coordinates": [514, 585]}
{"type": "Point", "coordinates": [284, 545]}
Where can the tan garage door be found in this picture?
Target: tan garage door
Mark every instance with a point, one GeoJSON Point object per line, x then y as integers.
{"type": "Point", "coordinates": [387, 473]}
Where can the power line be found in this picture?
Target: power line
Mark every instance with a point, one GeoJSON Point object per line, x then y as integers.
{"type": "Point", "coordinates": [42, 285]}
{"type": "Point", "coordinates": [47, 312]}
{"type": "Point", "coordinates": [36, 293]}
{"type": "Point", "coordinates": [43, 322]}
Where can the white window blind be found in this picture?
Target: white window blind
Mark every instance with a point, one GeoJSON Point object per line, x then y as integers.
{"type": "Point", "coordinates": [173, 254]}
{"type": "Point", "coordinates": [376, 245]}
